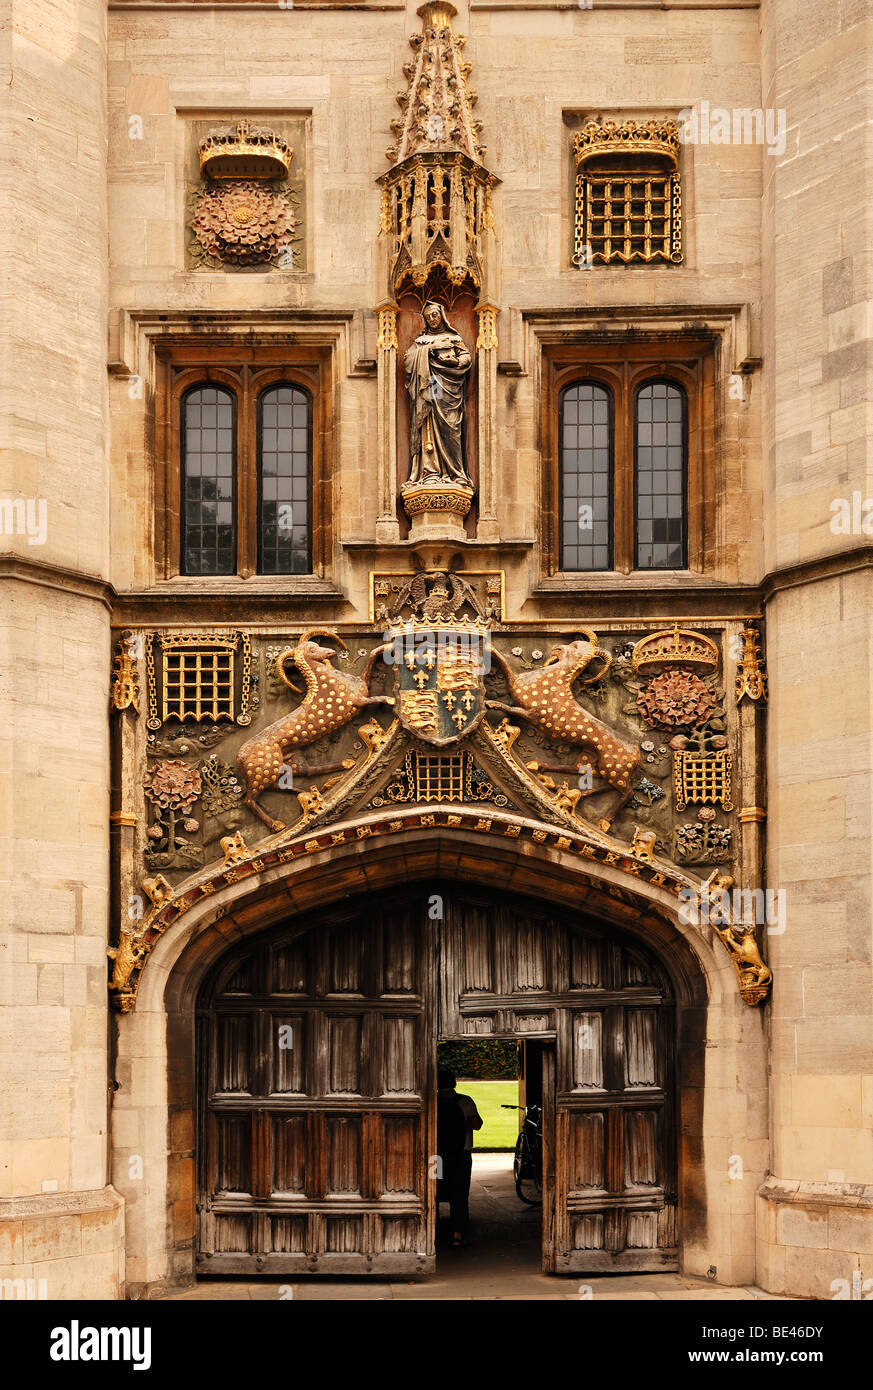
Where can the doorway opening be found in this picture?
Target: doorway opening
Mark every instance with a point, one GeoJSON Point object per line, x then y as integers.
{"type": "Point", "coordinates": [317, 1085]}
{"type": "Point", "coordinates": [502, 1224]}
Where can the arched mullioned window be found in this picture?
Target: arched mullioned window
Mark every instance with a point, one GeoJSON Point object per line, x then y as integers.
{"type": "Point", "coordinates": [586, 473]}
{"type": "Point", "coordinates": [660, 476]}
{"type": "Point", "coordinates": [208, 492]}
{"type": "Point", "coordinates": [246, 478]}
{"type": "Point", "coordinates": [628, 429]}
{"type": "Point", "coordinates": [284, 480]}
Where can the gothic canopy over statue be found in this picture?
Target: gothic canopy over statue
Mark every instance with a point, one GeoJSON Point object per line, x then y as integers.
{"type": "Point", "coordinates": [437, 369]}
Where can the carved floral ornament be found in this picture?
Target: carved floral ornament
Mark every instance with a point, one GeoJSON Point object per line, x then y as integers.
{"type": "Point", "coordinates": [512, 738]}
{"type": "Point", "coordinates": [243, 214]}
{"type": "Point", "coordinates": [678, 699]}
{"type": "Point", "coordinates": [243, 223]}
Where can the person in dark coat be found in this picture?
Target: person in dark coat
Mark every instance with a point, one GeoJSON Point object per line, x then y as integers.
{"type": "Point", "coordinates": [457, 1118]}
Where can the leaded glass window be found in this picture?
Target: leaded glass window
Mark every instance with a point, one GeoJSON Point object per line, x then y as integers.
{"type": "Point", "coordinates": [285, 472]}
{"type": "Point", "coordinates": [586, 477]}
{"type": "Point", "coordinates": [208, 482]}
{"type": "Point", "coordinates": [660, 471]}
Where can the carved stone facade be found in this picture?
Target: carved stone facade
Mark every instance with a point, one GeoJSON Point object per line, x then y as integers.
{"type": "Point", "coordinates": [199, 757]}
{"type": "Point", "coordinates": [445, 706]}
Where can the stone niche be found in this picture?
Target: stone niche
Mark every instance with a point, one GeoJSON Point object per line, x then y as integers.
{"type": "Point", "coordinates": [245, 197]}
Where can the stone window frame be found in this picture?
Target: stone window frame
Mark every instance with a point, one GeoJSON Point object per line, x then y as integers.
{"type": "Point", "coordinates": [247, 370]}
{"type": "Point", "coordinates": [624, 367]}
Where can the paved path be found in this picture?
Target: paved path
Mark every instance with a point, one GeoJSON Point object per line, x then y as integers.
{"type": "Point", "coordinates": [502, 1262]}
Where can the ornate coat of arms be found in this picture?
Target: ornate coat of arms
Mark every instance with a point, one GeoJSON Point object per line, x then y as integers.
{"type": "Point", "coordinates": [439, 673]}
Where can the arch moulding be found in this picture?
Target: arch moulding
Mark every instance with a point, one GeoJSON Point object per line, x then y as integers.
{"type": "Point", "coordinates": [720, 1041]}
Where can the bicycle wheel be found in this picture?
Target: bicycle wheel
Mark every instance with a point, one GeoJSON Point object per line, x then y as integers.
{"type": "Point", "coordinates": [517, 1160]}
{"type": "Point", "coordinates": [528, 1183]}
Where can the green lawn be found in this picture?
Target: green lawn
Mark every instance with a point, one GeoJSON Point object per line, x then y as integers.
{"type": "Point", "coordinates": [500, 1128]}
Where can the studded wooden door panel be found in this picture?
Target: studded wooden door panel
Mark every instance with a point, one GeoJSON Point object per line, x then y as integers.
{"type": "Point", "coordinates": [316, 1054]}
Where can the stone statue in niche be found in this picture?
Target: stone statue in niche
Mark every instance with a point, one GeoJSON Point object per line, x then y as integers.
{"type": "Point", "coordinates": [437, 371]}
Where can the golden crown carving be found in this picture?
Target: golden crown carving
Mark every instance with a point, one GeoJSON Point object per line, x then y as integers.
{"type": "Point", "coordinates": [609, 138]}
{"type": "Point", "coordinates": [471, 628]}
{"type": "Point", "coordinates": [244, 153]}
{"type": "Point", "coordinates": [679, 646]}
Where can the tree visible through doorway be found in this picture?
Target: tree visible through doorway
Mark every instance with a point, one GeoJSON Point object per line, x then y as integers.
{"type": "Point", "coordinates": [487, 1069]}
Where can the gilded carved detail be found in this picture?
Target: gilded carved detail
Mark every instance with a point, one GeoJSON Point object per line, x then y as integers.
{"type": "Point", "coordinates": [751, 676]}
{"type": "Point", "coordinates": [754, 976]}
{"type": "Point", "coordinates": [242, 224]}
{"type": "Point", "coordinates": [243, 213]}
{"type": "Point", "coordinates": [628, 193]}
{"type": "Point", "coordinates": [675, 647]}
{"type": "Point", "coordinates": [332, 698]}
{"type": "Point", "coordinates": [436, 199]}
{"type": "Point", "coordinates": [545, 698]}
{"type": "Point", "coordinates": [529, 726]}
{"type": "Point", "coordinates": [198, 677]}
{"type": "Point", "coordinates": [487, 336]}
{"type": "Point", "coordinates": [387, 332]}
{"type": "Point", "coordinates": [677, 699]}
{"type": "Point", "coordinates": [234, 849]}
{"type": "Point", "coordinates": [172, 786]}
{"type": "Point", "coordinates": [125, 676]}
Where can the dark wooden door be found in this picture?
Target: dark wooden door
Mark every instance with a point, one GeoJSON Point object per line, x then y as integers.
{"type": "Point", "coordinates": [317, 1059]}
{"type": "Point", "coordinates": [511, 969]}
{"type": "Point", "coordinates": [613, 1185]}
{"type": "Point", "coordinates": [316, 1077]}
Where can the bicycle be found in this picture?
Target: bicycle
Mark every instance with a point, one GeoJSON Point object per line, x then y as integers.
{"type": "Point", "coordinates": [527, 1164]}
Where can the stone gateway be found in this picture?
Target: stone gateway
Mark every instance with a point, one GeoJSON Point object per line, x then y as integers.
{"type": "Point", "coordinates": [436, 570]}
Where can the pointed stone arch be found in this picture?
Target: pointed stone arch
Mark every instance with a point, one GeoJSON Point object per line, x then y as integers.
{"type": "Point", "coordinates": [719, 1040]}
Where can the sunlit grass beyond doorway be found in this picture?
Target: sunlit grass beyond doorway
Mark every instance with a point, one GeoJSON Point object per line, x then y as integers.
{"type": "Point", "coordinates": [500, 1127]}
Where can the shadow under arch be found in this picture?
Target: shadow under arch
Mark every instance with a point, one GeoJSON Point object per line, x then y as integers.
{"type": "Point", "coordinates": [156, 1042]}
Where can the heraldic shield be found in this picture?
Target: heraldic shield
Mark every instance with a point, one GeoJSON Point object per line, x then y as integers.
{"type": "Point", "coordinates": [439, 678]}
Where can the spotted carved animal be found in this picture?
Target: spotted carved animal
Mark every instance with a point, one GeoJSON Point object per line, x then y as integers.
{"type": "Point", "coordinates": [330, 700]}
{"type": "Point", "coordinates": [544, 696]}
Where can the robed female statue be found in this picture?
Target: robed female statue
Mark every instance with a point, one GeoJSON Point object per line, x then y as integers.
{"type": "Point", "coordinates": [437, 368]}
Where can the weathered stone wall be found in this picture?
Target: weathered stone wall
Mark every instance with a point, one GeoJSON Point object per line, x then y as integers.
{"type": "Point", "coordinates": [539, 73]}
{"type": "Point", "coordinates": [58, 1219]}
{"type": "Point", "coordinates": [816, 1215]}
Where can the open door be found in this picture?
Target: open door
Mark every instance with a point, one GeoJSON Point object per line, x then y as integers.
{"type": "Point", "coordinates": [317, 1099]}
{"type": "Point", "coordinates": [609, 1203]}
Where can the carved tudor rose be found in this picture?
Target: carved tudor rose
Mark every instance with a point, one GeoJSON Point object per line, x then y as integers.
{"type": "Point", "coordinates": [244, 215]}
{"type": "Point", "coordinates": [243, 223]}
{"type": "Point", "coordinates": [677, 699]}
